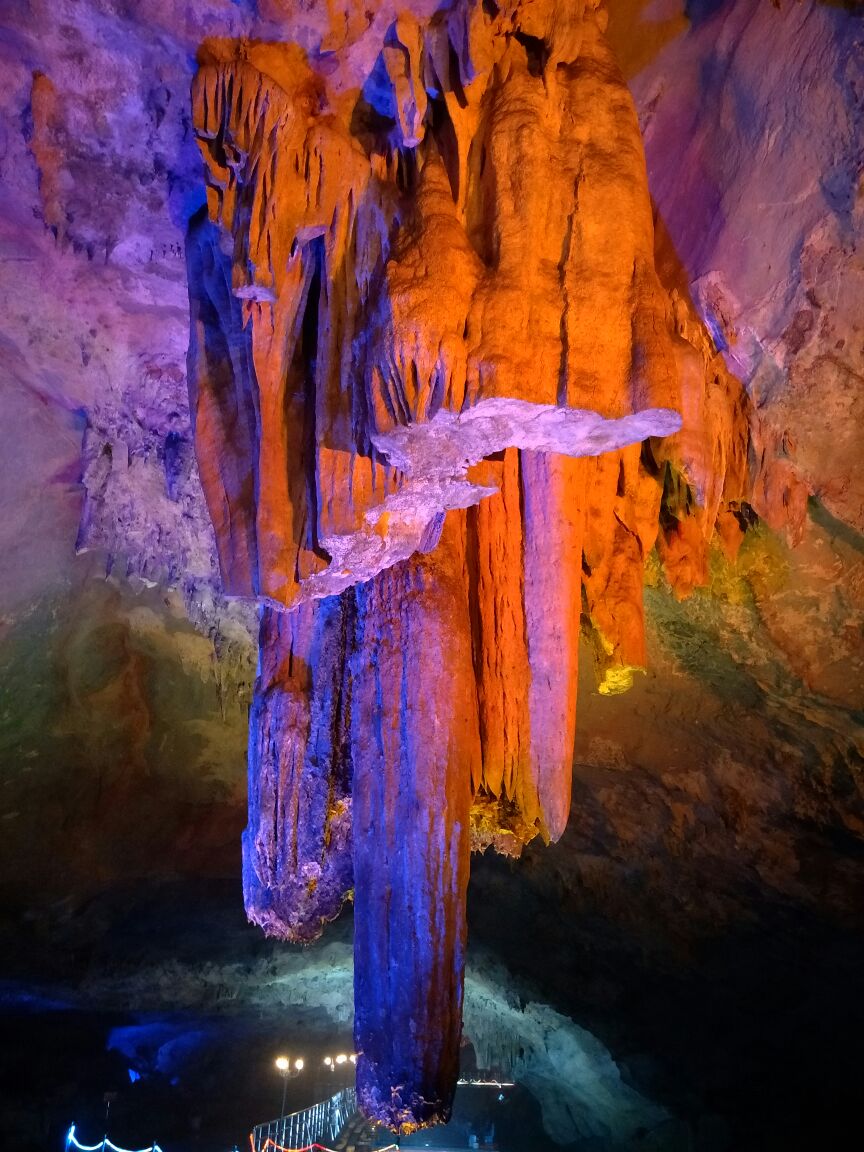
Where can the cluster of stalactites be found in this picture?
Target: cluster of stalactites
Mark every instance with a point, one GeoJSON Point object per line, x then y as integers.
{"type": "Point", "coordinates": [432, 369]}
{"type": "Point", "coordinates": [401, 299]}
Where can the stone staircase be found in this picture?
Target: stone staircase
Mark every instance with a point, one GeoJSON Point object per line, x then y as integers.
{"type": "Point", "coordinates": [362, 1135]}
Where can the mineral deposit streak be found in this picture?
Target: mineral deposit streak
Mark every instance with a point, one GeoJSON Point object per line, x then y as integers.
{"type": "Point", "coordinates": [438, 393]}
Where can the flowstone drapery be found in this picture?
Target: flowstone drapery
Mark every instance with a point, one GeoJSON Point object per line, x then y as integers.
{"type": "Point", "coordinates": [437, 388]}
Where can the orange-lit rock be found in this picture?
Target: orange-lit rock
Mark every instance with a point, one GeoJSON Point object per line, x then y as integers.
{"type": "Point", "coordinates": [524, 565]}
{"type": "Point", "coordinates": [409, 303]}
{"type": "Point", "coordinates": [444, 409]}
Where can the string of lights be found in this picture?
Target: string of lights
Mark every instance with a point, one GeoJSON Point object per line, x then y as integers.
{"type": "Point", "coordinates": [271, 1144]}
{"type": "Point", "coordinates": [72, 1141]}
{"type": "Point", "coordinates": [282, 1148]}
{"type": "Point", "coordinates": [488, 1083]}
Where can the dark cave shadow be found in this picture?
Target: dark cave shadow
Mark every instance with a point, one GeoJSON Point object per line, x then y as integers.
{"type": "Point", "coordinates": [699, 11]}
{"type": "Point", "coordinates": [849, 536]}
{"type": "Point", "coordinates": [853, 7]}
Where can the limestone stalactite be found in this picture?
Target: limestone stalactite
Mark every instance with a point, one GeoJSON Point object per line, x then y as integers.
{"type": "Point", "coordinates": [432, 369]}
{"type": "Point", "coordinates": [297, 850]}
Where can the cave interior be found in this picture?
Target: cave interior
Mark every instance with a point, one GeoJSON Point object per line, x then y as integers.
{"type": "Point", "coordinates": [432, 571]}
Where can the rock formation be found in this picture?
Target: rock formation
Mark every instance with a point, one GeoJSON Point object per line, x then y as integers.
{"type": "Point", "coordinates": [380, 280]}
{"type": "Point", "coordinates": [443, 411]}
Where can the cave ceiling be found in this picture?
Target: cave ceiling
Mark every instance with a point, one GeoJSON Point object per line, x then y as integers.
{"type": "Point", "coordinates": [710, 877]}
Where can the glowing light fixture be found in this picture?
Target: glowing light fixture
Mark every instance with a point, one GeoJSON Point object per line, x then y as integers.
{"type": "Point", "coordinates": [283, 1065]}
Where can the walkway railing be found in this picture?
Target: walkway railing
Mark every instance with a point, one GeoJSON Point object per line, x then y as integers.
{"type": "Point", "coordinates": [319, 1124]}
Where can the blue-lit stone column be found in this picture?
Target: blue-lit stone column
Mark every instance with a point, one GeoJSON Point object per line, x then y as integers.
{"type": "Point", "coordinates": [414, 729]}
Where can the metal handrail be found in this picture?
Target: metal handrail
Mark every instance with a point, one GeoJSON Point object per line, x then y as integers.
{"type": "Point", "coordinates": [308, 1126]}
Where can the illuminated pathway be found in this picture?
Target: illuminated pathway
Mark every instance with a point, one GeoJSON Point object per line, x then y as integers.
{"type": "Point", "coordinates": [303, 1131]}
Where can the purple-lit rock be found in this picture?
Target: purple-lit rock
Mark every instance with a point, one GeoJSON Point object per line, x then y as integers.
{"type": "Point", "coordinates": [297, 870]}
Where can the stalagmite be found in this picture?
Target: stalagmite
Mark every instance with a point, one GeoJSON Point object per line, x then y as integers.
{"type": "Point", "coordinates": [432, 369]}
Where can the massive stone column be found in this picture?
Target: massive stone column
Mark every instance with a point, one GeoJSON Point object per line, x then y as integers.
{"type": "Point", "coordinates": [415, 742]}
{"type": "Point", "coordinates": [438, 389]}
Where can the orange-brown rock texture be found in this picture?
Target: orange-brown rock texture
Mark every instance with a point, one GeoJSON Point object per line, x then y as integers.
{"type": "Point", "coordinates": [443, 408]}
{"type": "Point", "coordinates": [400, 301]}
